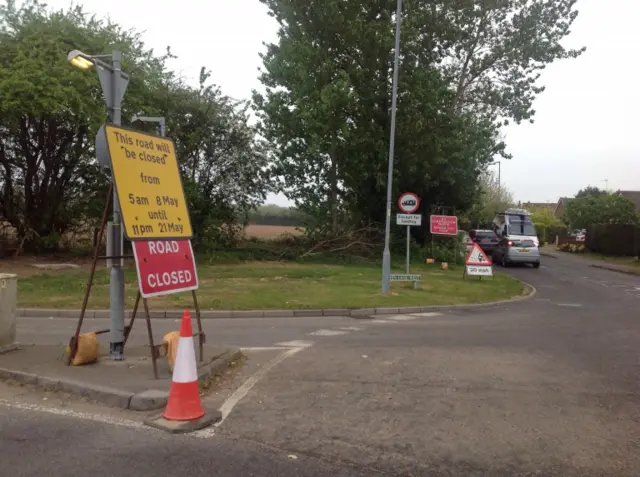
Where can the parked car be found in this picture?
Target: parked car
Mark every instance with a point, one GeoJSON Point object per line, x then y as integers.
{"type": "Point", "coordinates": [486, 239]}
{"type": "Point", "coordinates": [516, 250]}
{"type": "Point", "coordinates": [579, 235]}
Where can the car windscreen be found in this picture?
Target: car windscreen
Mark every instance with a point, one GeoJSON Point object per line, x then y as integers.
{"type": "Point", "coordinates": [521, 227]}
{"type": "Point", "coordinates": [486, 234]}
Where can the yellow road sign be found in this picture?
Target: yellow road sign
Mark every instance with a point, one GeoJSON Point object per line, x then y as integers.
{"type": "Point", "coordinates": [147, 179]}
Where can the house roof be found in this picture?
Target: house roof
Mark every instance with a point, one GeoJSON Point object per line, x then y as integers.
{"type": "Point", "coordinates": [561, 201]}
{"type": "Point", "coordinates": [535, 206]}
{"type": "Point", "coordinates": [633, 195]}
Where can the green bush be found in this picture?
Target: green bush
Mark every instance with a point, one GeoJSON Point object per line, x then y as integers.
{"type": "Point", "coordinates": [449, 249]}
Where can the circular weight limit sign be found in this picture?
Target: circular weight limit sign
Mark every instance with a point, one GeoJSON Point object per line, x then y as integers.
{"type": "Point", "coordinates": [409, 203]}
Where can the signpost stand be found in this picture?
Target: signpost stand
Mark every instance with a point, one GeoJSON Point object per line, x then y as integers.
{"type": "Point", "coordinates": [156, 220]}
{"type": "Point", "coordinates": [408, 203]}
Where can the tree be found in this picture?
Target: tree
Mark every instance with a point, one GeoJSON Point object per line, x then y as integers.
{"type": "Point", "coordinates": [606, 209]}
{"type": "Point", "coordinates": [493, 197]}
{"type": "Point", "coordinates": [591, 191]}
{"type": "Point", "coordinates": [50, 182]}
{"type": "Point", "coordinates": [547, 224]}
{"type": "Point", "coordinates": [326, 113]}
{"type": "Point", "coordinates": [222, 160]}
{"type": "Point", "coordinates": [493, 51]}
{"type": "Point", "coordinates": [464, 69]}
{"type": "Point", "coordinates": [49, 179]}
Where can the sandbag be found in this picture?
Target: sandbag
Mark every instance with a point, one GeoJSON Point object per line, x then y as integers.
{"type": "Point", "coordinates": [170, 342]}
{"type": "Point", "coordinates": [88, 349]}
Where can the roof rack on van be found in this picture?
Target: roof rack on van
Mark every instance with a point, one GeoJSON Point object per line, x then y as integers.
{"type": "Point", "coordinates": [516, 211]}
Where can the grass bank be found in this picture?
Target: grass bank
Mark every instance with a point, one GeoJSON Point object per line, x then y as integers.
{"type": "Point", "coordinates": [276, 285]}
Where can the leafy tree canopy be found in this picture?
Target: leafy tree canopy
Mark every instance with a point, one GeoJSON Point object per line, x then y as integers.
{"type": "Point", "coordinates": [592, 192]}
{"type": "Point", "coordinates": [50, 182]}
{"type": "Point", "coordinates": [493, 197]}
{"type": "Point", "coordinates": [466, 68]}
{"type": "Point", "coordinates": [607, 209]}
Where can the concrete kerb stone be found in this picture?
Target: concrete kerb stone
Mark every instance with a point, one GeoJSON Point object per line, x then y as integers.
{"type": "Point", "coordinates": [300, 313]}
{"type": "Point", "coordinates": [336, 312]}
{"type": "Point", "coordinates": [616, 269]}
{"type": "Point", "coordinates": [151, 399]}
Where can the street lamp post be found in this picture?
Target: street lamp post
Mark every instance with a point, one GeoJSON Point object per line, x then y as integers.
{"type": "Point", "coordinates": [386, 255]}
{"type": "Point", "coordinates": [114, 84]}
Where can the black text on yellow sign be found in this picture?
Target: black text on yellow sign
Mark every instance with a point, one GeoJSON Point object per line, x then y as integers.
{"type": "Point", "coordinates": [147, 179]}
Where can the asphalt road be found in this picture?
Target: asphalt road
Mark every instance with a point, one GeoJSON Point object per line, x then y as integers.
{"type": "Point", "coordinates": [37, 444]}
{"type": "Point", "coordinates": [544, 387]}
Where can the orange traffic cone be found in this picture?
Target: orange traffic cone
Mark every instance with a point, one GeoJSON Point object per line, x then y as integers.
{"type": "Point", "coordinates": [184, 398]}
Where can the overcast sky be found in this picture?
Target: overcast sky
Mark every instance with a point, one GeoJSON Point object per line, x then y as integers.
{"type": "Point", "coordinates": [586, 131]}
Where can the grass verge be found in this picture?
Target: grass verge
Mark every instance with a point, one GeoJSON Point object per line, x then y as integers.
{"type": "Point", "coordinates": [276, 285]}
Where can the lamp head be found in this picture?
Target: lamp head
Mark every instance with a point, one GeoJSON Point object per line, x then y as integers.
{"type": "Point", "coordinates": [80, 60]}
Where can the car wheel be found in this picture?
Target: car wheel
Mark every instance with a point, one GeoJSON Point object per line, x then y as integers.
{"type": "Point", "coordinates": [536, 265]}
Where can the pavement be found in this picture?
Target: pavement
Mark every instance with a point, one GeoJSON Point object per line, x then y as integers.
{"type": "Point", "coordinates": [541, 387]}
{"type": "Point", "coordinates": [129, 384]}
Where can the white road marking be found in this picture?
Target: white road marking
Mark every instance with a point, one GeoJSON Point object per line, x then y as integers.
{"type": "Point", "coordinates": [243, 390]}
{"type": "Point", "coordinates": [381, 321]}
{"type": "Point", "coordinates": [328, 333]}
{"type": "Point", "coordinates": [87, 416]}
{"type": "Point", "coordinates": [296, 344]}
{"type": "Point", "coordinates": [402, 318]}
{"type": "Point", "coordinates": [264, 348]}
{"type": "Point", "coordinates": [574, 305]}
{"type": "Point", "coordinates": [352, 328]}
{"type": "Point", "coordinates": [430, 314]}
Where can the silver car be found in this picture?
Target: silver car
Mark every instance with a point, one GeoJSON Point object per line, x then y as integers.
{"type": "Point", "coordinates": [512, 250]}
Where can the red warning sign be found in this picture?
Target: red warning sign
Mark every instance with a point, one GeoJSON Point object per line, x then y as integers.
{"type": "Point", "coordinates": [477, 256]}
{"type": "Point", "coordinates": [165, 266]}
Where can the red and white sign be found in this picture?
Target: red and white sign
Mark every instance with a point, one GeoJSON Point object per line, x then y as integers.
{"type": "Point", "coordinates": [443, 224]}
{"type": "Point", "coordinates": [409, 203]}
{"type": "Point", "coordinates": [477, 264]}
{"type": "Point", "coordinates": [477, 256]}
{"type": "Point", "coordinates": [165, 266]}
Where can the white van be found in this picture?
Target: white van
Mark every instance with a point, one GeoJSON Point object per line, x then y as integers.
{"type": "Point", "coordinates": [518, 238]}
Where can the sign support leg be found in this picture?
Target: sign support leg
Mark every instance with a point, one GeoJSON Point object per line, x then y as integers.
{"type": "Point", "coordinates": [201, 335]}
{"type": "Point", "coordinates": [73, 344]}
{"type": "Point", "coordinates": [154, 353]}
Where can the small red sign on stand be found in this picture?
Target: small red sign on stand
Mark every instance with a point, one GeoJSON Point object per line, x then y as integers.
{"type": "Point", "coordinates": [443, 224]}
{"type": "Point", "coordinates": [165, 266]}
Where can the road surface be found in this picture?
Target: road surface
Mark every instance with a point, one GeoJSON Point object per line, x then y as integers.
{"type": "Point", "coordinates": [545, 387]}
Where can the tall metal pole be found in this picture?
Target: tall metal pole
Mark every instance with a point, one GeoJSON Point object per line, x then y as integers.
{"type": "Point", "coordinates": [386, 255]}
{"type": "Point", "coordinates": [408, 248]}
{"type": "Point", "coordinates": [116, 285]}
{"type": "Point", "coordinates": [499, 181]}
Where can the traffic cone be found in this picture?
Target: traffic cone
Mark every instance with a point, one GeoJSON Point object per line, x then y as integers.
{"type": "Point", "coordinates": [184, 398]}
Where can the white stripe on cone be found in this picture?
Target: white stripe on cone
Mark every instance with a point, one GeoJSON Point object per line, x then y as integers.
{"type": "Point", "coordinates": [185, 370]}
